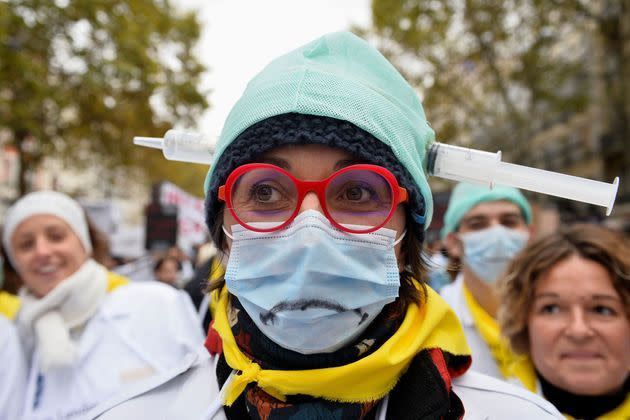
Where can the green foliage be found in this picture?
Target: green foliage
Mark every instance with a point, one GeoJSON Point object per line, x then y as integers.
{"type": "Point", "coordinates": [492, 73]}
{"type": "Point", "coordinates": [80, 78]}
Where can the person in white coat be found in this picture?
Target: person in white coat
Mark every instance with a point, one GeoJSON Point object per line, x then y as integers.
{"type": "Point", "coordinates": [86, 333]}
{"type": "Point", "coordinates": [483, 231]}
{"type": "Point", "coordinates": [318, 200]}
{"type": "Point", "coordinates": [12, 372]}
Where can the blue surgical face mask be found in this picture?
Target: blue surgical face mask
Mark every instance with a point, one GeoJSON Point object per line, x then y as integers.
{"type": "Point", "coordinates": [312, 288]}
{"type": "Point", "coordinates": [488, 252]}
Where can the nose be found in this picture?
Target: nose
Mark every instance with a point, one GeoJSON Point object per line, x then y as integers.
{"type": "Point", "coordinates": [579, 327]}
{"type": "Point", "coordinates": [494, 222]}
{"type": "Point", "coordinates": [311, 202]}
{"type": "Point", "coordinates": [42, 247]}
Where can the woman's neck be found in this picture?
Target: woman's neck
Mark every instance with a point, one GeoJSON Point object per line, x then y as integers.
{"type": "Point", "coordinates": [483, 292]}
{"type": "Point", "coordinates": [583, 406]}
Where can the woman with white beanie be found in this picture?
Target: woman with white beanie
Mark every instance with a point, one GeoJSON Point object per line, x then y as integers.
{"type": "Point", "coordinates": [86, 332]}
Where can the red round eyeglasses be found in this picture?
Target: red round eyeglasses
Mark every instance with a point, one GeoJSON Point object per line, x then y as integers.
{"type": "Point", "coordinates": [357, 199]}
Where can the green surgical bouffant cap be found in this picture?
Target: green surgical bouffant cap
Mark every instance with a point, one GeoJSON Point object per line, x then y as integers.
{"type": "Point", "coordinates": [339, 76]}
{"type": "Point", "coordinates": [466, 196]}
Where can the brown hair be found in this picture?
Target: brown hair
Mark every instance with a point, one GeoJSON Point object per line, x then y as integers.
{"type": "Point", "coordinates": [12, 280]}
{"type": "Point", "coordinates": [415, 263]}
{"type": "Point", "coordinates": [100, 243]}
{"type": "Point", "coordinates": [591, 242]}
{"type": "Point", "coordinates": [161, 261]}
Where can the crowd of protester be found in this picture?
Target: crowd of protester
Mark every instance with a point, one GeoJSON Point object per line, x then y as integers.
{"type": "Point", "coordinates": [319, 296]}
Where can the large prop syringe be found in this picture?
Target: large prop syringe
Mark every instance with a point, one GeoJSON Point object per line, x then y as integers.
{"type": "Point", "coordinates": [470, 165]}
{"type": "Point", "coordinates": [443, 160]}
{"type": "Point", "coordinates": [182, 146]}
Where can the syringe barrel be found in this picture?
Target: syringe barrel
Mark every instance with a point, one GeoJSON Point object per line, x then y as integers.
{"type": "Point", "coordinates": [462, 164]}
{"type": "Point", "coordinates": [475, 166]}
{"type": "Point", "coordinates": [187, 147]}
{"type": "Point", "coordinates": [557, 184]}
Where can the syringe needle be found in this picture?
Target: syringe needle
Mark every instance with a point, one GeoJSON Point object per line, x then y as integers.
{"type": "Point", "coordinates": [153, 142]}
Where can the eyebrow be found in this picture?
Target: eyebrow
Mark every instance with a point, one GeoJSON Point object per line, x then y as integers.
{"type": "Point", "coordinates": [605, 297]}
{"type": "Point", "coordinates": [474, 219]}
{"type": "Point", "coordinates": [516, 214]}
{"type": "Point", "coordinates": [592, 297]}
{"type": "Point", "coordinates": [480, 217]}
{"type": "Point", "coordinates": [546, 295]}
{"type": "Point", "coordinates": [484, 218]}
{"type": "Point", "coordinates": [348, 162]}
{"type": "Point", "coordinates": [284, 164]}
{"type": "Point", "coordinates": [276, 161]}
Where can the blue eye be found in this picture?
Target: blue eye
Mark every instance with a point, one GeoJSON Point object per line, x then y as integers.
{"type": "Point", "coordinates": [550, 309]}
{"type": "Point", "coordinates": [604, 310]}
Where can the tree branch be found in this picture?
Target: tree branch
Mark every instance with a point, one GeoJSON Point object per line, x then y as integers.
{"type": "Point", "coordinates": [579, 7]}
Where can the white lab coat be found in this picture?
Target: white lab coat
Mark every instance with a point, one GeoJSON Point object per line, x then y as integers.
{"type": "Point", "coordinates": [141, 330]}
{"type": "Point", "coordinates": [190, 391]}
{"type": "Point", "coordinates": [12, 372]}
{"type": "Point", "coordinates": [482, 359]}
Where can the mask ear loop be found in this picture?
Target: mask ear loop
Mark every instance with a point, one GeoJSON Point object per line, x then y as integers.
{"type": "Point", "coordinates": [397, 241]}
{"type": "Point", "coordinates": [228, 234]}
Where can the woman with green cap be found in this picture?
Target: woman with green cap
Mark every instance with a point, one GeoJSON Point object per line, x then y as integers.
{"type": "Point", "coordinates": [484, 229]}
{"type": "Point", "coordinates": [318, 200]}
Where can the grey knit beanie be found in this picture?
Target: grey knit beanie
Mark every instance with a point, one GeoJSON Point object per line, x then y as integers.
{"type": "Point", "coordinates": [293, 129]}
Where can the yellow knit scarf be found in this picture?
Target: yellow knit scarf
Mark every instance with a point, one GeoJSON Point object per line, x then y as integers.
{"type": "Point", "coordinates": [510, 364]}
{"type": "Point", "coordinates": [434, 325]}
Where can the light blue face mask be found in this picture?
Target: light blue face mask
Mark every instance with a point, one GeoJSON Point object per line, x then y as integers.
{"type": "Point", "coordinates": [488, 252]}
{"type": "Point", "coordinates": [312, 288]}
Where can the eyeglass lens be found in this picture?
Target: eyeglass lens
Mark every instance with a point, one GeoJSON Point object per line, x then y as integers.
{"type": "Point", "coordinates": [355, 197]}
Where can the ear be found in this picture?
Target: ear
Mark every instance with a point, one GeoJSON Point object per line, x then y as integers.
{"type": "Point", "coordinates": [453, 245]}
{"type": "Point", "coordinates": [531, 229]}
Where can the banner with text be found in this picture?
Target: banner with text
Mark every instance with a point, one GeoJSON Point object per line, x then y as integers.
{"type": "Point", "coordinates": [190, 215]}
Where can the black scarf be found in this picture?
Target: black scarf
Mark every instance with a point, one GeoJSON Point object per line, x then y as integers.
{"type": "Point", "coordinates": [585, 407]}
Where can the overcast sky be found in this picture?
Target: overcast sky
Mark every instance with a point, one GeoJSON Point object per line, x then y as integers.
{"type": "Point", "coordinates": [241, 36]}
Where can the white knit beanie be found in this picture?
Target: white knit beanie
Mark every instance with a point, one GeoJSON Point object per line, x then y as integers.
{"type": "Point", "coordinates": [46, 202]}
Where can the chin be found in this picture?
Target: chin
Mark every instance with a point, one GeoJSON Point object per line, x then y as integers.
{"type": "Point", "coordinates": [585, 384]}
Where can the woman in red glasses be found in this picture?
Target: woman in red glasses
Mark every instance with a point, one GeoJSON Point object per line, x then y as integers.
{"type": "Point", "coordinates": [318, 199]}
